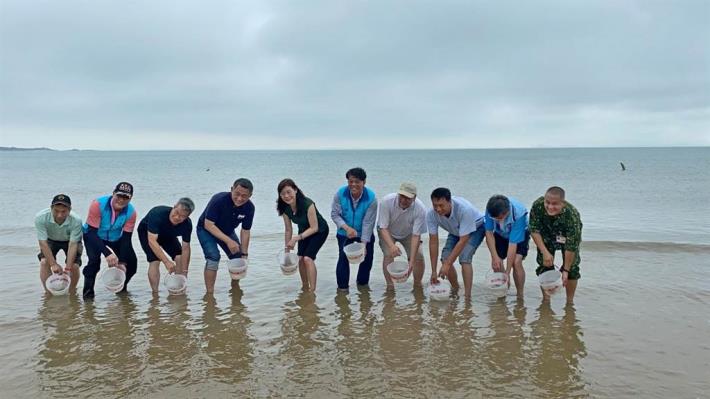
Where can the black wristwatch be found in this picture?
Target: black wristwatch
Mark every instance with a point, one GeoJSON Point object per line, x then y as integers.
{"type": "Point", "coordinates": [565, 270]}
{"type": "Point", "coordinates": [245, 254]}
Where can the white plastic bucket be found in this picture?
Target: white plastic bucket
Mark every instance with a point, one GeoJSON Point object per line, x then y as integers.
{"type": "Point", "coordinates": [355, 252]}
{"type": "Point", "coordinates": [58, 283]}
{"type": "Point", "coordinates": [237, 268]}
{"type": "Point", "coordinates": [398, 271]}
{"type": "Point", "coordinates": [288, 261]}
{"type": "Point", "coordinates": [550, 281]}
{"type": "Point", "coordinates": [114, 278]}
{"type": "Point", "coordinates": [497, 283]}
{"type": "Point", "coordinates": [175, 283]}
{"type": "Point", "coordinates": [440, 291]}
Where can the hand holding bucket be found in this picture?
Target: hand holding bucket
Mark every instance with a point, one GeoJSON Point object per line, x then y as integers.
{"type": "Point", "coordinates": [355, 252]}
{"type": "Point", "coordinates": [114, 278]}
{"type": "Point", "coordinates": [175, 283]}
{"type": "Point", "coordinates": [550, 281]}
{"type": "Point", "coordinates": [237, 268]}
{"type": "Point", "coordinates": [58, 283]}
{"type": "Point", "coordinates": [288, 262]}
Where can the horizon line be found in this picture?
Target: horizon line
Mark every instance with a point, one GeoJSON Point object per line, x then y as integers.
{"type": "Point", "coordinates": [14, 148]}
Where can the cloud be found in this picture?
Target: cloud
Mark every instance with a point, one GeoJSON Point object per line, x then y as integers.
{"type": "Point", "coordinates": [355, 74]}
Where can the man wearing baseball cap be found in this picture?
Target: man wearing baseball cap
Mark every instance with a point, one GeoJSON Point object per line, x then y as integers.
{"type": "Point", "coordinates": [58, 228]}
{"type": "Point", "coordinates": [108, 231]}
{"type": "Point", "coordinates": [402, 219]}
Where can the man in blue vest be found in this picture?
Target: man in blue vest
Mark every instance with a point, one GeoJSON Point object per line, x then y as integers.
{"type": "Point", "coordinates": [354, 212]}
{"type": "Point", "coordinates": [108, 231]}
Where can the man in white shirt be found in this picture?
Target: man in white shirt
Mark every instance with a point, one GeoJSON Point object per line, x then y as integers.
{"type": "Point", "coordinates": [464, 223]}
{"type": "Point", "coordinates": [402, 219]}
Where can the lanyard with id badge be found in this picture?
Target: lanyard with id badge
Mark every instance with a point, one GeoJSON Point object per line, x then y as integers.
{"type": "Point", "coordinates": [560, 240]}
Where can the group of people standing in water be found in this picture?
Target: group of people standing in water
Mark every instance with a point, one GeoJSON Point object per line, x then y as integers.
{"type": "Point", "coordinates": [398, 218]}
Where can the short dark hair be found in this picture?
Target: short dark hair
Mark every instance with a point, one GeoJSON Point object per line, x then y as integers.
{"type": "Point", "coordinates": [441, 192]}
{"type": "Point", "coordinates": [555, 190]}
{"type": "Point", "coordinates": [242, 182]}
{"type": "Point", "coordinates": [497, 205]}
{"type": "Point", "coordinates": [358, 173]}
{"type": "Point", "coordinates": [280, 204]}
{"type": "Point", "coordinates": [186, 204]}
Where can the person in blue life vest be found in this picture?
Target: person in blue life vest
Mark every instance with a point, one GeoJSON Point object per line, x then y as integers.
{"type": "Point", "coordinates": [108, 231]}
{"type": "Point", "coordinates": [354, 211]}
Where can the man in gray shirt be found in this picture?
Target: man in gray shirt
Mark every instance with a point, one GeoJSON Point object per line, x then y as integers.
{"type": "Point", "coordinates": [354, 212]}
{"type": "Point", "coordinates": [464, 223]}
{"type": "Point", "coordinates": [402, 219]}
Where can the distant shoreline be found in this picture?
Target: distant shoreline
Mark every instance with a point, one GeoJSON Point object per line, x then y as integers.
{"type": "Point", "coordinates": [20, 149]}
{"type": "Point", "coordinates": [25, 149]}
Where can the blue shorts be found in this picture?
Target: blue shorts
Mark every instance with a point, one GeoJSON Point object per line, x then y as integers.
{"type": "Point", "coordinates": [209, 244]}
{"type": "Point", "coordinates": [474, 241]}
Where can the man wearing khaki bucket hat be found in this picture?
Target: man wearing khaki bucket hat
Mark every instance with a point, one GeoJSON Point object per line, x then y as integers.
{"type": "Point", "coordinates": [402, 219]}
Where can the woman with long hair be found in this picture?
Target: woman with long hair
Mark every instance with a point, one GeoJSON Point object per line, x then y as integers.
{"type": "Point", "coordinates": [296, 208]}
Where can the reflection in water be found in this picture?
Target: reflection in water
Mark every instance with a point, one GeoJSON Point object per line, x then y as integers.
{"type": "Point", "coordinates": [503, 351]}
{"type": "Point", "coordinates": [302, 353]}
{"type": "Point", "coordinates": [557, 350]}
{"type": "Point", "coordinates": [401, 341]}
{"type": "Point", "coordinates": [454, 350]}
{"type": "Point", "coordinates": [59, 348]}
{"type": "Point", "coordinates": [402, 345]}
{"type": "Point", "coordinates": [355, 355]}
{"type": "Point", "coordinates": [171, 344]}
{"type": "Point", "coordinates": [300, 325]}
{"type": "Point", "coordinates": [79, 346]}
{"type": "Point", "coordinates": [226, 341]}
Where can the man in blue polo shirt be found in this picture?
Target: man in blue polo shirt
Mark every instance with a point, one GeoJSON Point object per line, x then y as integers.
{"type": "Point", "coordinates": [464, 223]}
{"type": "Point", "coordinates": [217, 224]}
{"type": "Point", "coordinates": [507, 237]}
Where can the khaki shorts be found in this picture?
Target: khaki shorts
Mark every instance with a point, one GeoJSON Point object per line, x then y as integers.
{"type": "Point", "coordinates": [406, 243]}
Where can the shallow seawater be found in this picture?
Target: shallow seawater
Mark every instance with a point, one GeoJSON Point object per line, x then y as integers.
{"type": "Point", "coordinates": [639, 326]}
{"type": "Point", "coordinates": [637, 329]}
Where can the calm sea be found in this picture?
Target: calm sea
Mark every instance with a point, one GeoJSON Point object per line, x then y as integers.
{"type": "Point", "coordinates": [639, 327]}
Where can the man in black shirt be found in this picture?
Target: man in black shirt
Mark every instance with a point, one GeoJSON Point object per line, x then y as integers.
{"type": "Point", "coordinates": [158, 233]}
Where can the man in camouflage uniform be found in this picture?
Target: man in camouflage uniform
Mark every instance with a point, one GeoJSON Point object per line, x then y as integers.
{"type": "Point", "coordinates": [555, 224]}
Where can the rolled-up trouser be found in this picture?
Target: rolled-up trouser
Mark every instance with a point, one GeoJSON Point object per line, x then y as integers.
{"type": "Point", "coordinates": [123, 248]}
{"type": "Point", "coordinates": [342, 270]}
{"type": "Point", "coordinates": [209, 244]}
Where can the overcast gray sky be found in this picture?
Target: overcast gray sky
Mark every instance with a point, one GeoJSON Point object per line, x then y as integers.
{"type": "Point", "coordinates": [365, 74]}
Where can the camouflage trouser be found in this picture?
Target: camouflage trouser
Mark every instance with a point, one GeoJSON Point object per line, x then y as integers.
{"type": "Point", "coordinates": [573, 269]}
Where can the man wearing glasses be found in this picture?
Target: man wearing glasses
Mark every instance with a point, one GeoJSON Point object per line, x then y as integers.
{"type": "Point", "coordinates": [108, 231]}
